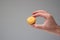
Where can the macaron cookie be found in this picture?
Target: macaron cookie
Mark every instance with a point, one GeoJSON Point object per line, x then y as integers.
{"type": "Point", "coordinates": [31, 20]}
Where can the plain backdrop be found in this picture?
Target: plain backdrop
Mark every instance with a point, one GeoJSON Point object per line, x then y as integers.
{"type": "Point", "coordinates": [13, 15]}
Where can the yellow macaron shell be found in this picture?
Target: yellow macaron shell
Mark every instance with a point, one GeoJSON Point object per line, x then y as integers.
{"type": "Point", "coordinates": [31, 20]}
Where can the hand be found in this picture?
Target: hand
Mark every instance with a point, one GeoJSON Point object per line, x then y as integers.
{"type": "Point", "coordinates": [49, 24]}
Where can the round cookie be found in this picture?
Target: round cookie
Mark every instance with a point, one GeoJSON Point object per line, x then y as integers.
{"type": "Point", "coordinates": [31, 20]}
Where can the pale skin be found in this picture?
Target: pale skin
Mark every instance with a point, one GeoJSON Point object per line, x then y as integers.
{"type": "Point", "coordinates": [49, 25]}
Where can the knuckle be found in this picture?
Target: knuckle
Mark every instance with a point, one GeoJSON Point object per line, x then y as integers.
{"type": "Point", "coordinates": [49, 15]}
{"type": "Point", "coordinates": [41, 10]}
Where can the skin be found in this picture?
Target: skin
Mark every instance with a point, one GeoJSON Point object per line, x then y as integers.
{"type": "Point", "coordinates": [49, 25]}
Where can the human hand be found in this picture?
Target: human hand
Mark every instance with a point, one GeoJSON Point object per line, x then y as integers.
{"type": "Point", "coordinates": [49, 24]}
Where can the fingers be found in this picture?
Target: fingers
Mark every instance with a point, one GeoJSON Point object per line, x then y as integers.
{"type": "Point", "coordinates": [37, 26]}
{"type": "Point", "coordinates": [40, 13]}
{"type": "Point", "coordinates": [44, 14]}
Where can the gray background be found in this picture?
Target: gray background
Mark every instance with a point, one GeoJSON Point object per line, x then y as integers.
{"type": "Point", "coordinates": [13, 15]}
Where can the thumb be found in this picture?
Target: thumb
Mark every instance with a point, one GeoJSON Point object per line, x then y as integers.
{"type": "Point", "coordinates": [38, 26]}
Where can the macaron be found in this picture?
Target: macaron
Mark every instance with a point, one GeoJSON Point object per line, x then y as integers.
{"type": "Point", "coordinates": [31, 20]}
